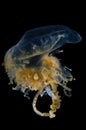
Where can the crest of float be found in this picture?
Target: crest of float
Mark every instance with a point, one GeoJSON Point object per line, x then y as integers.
{"type": "Point", "coordinates": [30, 65]}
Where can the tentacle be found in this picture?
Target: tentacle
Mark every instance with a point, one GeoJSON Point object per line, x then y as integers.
{"type": "Point", "coordinates": [34, 105]}
{"type": "Point", "coordinates": [53, 107]}
{"type": "Point", "coordinates": [55, 102]}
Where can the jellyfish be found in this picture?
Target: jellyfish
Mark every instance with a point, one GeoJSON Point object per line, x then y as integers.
{"type": "Point", "coordinates": [31, 65]}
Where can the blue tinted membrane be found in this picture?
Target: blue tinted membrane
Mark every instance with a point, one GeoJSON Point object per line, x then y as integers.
{"type": "Point", "coordinates": [42, 39]}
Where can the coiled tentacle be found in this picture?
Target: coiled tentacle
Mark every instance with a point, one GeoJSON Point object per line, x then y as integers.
{"type": "Point", "coordinates": [34, 105]}
{"type": "Point", "coordinates": [53, 107]}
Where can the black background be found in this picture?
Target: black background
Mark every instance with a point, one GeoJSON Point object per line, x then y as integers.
{"type": "Point", "coordinates": [15, 19]}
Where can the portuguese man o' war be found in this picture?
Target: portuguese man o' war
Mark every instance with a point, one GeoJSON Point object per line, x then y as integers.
{"type": "Point", "coordinates": [30, 65]}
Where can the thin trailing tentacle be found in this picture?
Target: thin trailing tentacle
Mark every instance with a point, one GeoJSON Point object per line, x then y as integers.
{"type": "Point", "coordinates": [34, 105]}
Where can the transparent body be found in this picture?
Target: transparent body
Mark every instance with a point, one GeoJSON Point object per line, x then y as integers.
{"type": "Point", "coordinates": [31, 66]}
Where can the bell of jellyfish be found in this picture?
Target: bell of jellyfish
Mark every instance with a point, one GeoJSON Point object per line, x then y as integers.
{"type": "Point", "coordinates": [31, 67]}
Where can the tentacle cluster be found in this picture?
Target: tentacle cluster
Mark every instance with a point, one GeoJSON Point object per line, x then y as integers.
{"type": "Point", "coordinates": [45, 80]}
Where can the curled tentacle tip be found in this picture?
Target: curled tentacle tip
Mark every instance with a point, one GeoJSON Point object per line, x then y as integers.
{"type": "Point", "coordinates": [67, 93]}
